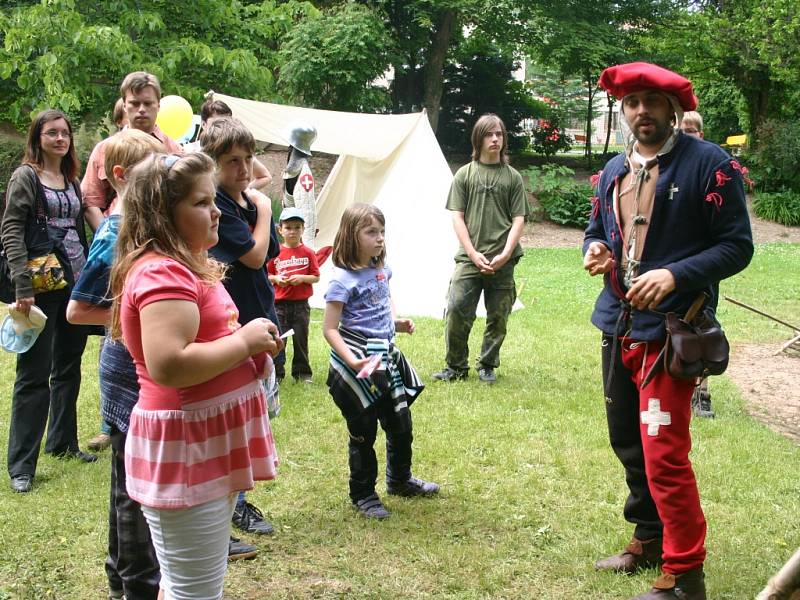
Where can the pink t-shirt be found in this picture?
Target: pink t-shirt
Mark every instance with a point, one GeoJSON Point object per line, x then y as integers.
{"type": "Point", "coordinates": [191, 445]}
{"type": "Point", "coordinates": [158, 278]}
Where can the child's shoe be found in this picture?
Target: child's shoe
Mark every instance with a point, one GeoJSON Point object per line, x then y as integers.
{"type": "Point", "coordinates": [371, 507]}
{"type": "Point", "coordinates": [412, 487]}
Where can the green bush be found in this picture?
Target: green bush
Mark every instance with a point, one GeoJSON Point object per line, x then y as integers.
{"type": "Point", "coordinates": [563, 199]}
{"type": "Point", "coordinates": [773, 163]}
{"type": "Point", "coordinates": [11, 151]}
{"type": "Point", "coordinates": [781, 207]}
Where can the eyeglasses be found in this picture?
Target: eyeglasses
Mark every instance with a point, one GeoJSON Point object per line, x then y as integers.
{"type": "Point", "coordinates": [54, 134]}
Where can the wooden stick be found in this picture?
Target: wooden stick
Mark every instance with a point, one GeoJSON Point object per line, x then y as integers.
{"type": "Point", "coordinates": [763, 314]}
{"type": "Point", "coordinates": [785, 582]}
{"type": "Point", "coordinates": [794, 340]}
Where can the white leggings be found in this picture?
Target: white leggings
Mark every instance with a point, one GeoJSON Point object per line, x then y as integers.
{"type": "Point", "coordinates": [192, 548]}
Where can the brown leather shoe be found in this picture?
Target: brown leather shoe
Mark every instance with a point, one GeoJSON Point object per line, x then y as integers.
{"type": "Point", "coordinates": [638, 554]}
{"type": "Point", "coordinates": [690, 585]}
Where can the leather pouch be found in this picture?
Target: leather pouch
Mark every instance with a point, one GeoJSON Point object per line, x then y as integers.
{"type": "Point", "coordinates": [695, 349]}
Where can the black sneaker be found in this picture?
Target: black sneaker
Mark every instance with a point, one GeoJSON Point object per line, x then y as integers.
{"type": "Point", "coordinates": [77, 455]}
{"type": "Point", "coordinates": [371, 507]}
{"type": "Point", "coordinates": [486, 375]}
{"type": "Point", "coordinates": [251, 520]}
{"type": "Point", "coordinates": [239, 550]}
{"type": "Point", "coordinates": [701, 404]}
{"type": "Point", "coordinates": [449, 374]}
{"type": "Point", "coordinates": [412, 487]}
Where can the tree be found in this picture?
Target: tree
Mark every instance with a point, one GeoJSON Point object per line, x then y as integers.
{"type": "Point", "coordinates": [478, 82]}
{"type": "Point", "coordinates": [583, 37]}
{"type": "Point", "coordinates": [333, 61]}
{"type": "Point", "coordinates": [738, 51]}
{"type": "Point", "coordinates": [428, 32]}
{"type": "Point", "coordinates": [73, 55]}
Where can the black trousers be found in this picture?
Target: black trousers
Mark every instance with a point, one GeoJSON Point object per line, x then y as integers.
{"type": "Point", "coordinates": [131, 566]}
{"type": "Point", "coordinates": [48, 381]}
{"type": "Point", "coordinates": [361, 451]}
{"type": "Point", "coordinates": [622, 413]}
{"type": "Point", "coordinates": [295, 314]}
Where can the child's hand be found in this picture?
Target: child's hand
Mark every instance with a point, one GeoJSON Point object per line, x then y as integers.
{"type": "Point", "coordinates": [294, 280]}
{"type": "Point", "coordinates": [358, 363]}
{"type": "Point", "coordinates": [261, 335]}
{"type": "Point", "coordinates": [281, 281]}
{"type": "Point", "coordinates": [404, 326]}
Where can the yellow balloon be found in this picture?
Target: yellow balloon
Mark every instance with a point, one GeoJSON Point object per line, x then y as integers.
{"type": "Point", "coordinates": [174, 116]}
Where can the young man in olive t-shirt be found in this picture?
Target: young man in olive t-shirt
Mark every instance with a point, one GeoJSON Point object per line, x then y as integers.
{"type": "Point", "coordinates": [489, 205]}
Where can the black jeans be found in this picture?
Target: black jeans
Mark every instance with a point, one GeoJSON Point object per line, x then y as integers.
{"type": "Point", "coordinates": [48, 380]}
{"type": "Point", "coordinates": [361, 452]}
{"type": "Point", "coordinates": [295, 314]}
{"type": "Point", "coordinates": [622, 413]}
{"type": "Point", "coordinates": [131, 566]}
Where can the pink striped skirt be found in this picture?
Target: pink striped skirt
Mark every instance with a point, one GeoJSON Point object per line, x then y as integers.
{"type": "Point", "coordinates": [211, 448]}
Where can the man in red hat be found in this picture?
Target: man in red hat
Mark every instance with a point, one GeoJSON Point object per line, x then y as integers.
{"type": "Point", "coordinates": [668, 222]}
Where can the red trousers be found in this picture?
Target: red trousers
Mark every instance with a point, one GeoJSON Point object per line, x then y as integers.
{"type": "Point", "coordinates": [664, 413]}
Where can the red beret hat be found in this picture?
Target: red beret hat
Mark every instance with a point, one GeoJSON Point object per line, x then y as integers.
{"type": "Point", "coordinates": [621, 80]}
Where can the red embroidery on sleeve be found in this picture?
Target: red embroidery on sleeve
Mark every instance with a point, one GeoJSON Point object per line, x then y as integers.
{"type": "Point", "coordinates": [595, 179]}
{"type": "Point", "coordinates": [595, 206]}
{"type": "Point", "coordinates": [722, 179]}
{"type": "Point", "coordinates": [716, 199]}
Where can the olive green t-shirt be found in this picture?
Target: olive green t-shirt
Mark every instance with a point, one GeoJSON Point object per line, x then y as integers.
{"type": "Point", "coordinates": [490, 196]}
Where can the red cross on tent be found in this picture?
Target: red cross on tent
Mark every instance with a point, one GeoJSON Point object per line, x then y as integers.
{"type": "Point", "coordinates": [307, 181]}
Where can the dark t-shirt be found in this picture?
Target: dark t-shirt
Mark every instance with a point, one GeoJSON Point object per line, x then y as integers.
{"type": "Point", "coordinates": [250, 288]}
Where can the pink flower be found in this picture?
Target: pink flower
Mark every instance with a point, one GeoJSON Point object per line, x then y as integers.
{"type": "Point", "coordinates": [716, 199]}
{"type": "Point", "coordinates": [722, 179]}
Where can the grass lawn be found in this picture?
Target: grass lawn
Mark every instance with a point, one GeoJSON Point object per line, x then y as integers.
{"type": "Point", "coordinates": [531, 492]}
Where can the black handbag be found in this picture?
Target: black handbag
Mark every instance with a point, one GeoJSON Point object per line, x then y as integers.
{"type": "Point", "coordinates": [8, 292]}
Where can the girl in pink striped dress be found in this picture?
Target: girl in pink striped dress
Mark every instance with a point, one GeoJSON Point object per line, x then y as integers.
{"type": "Point", "coordinates": [199, 433]}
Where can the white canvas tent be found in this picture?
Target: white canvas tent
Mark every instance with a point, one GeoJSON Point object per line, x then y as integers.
{"type": "Point", "coordinates": [392, 161]}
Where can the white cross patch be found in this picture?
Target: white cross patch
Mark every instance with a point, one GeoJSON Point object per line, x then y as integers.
{"type": "Point", "coordinates": [307, 182]}
{"type": "Point", "coordinates": [654, 418]}
{"type": "Point", "coordinates": [673, 188]}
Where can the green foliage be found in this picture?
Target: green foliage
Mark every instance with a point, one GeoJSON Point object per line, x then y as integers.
{"type": "Point", "coordinates": [73, 55]}
{"type": "Point", "coordinates": [743, 56]}
{"type": "Point", "coordinates": [11, 151]}
{"type": "Point", "coordinates": [332, 61]}
{"type": "Point", "coordinates": [781, 207]}
{"type": "Point", "coordinates": [480, 81]}
{"type": "Point", "coordinates": [563, 199]}
{"type": "Point", "coordinates": [773, 162]}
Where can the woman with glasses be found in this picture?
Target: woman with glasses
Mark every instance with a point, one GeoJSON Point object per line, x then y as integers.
{"type": "Point", "coordinates": [43, 215]}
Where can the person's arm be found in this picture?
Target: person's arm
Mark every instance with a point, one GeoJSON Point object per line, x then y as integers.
{"type": "Point", "coordinates": [330, 329]}
{"type": "Point", "coordinates": [462, 233]}
{"type": "Point", "coordinates": [93, 191]}
{"type": "Point", "coordinates": [597, 258]}
{"type": "Point", "coordinates": [514, 235]}
{"type": "Point", "coordinates": [20, 199]}
{"type": "Point", "coordinates": [261, 175]}
{"type": "Point", "coordinates": [402, 325]}
{"type": "Point", "coordinates": [257, 255]}
{"type": "Point", "coordinates": [173, 358]}
{"type": "Point", "coordinates": [86, 313]}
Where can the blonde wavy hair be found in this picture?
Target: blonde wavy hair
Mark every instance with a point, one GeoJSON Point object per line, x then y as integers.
{"type": "Point", "coordinates": [155, 187]}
